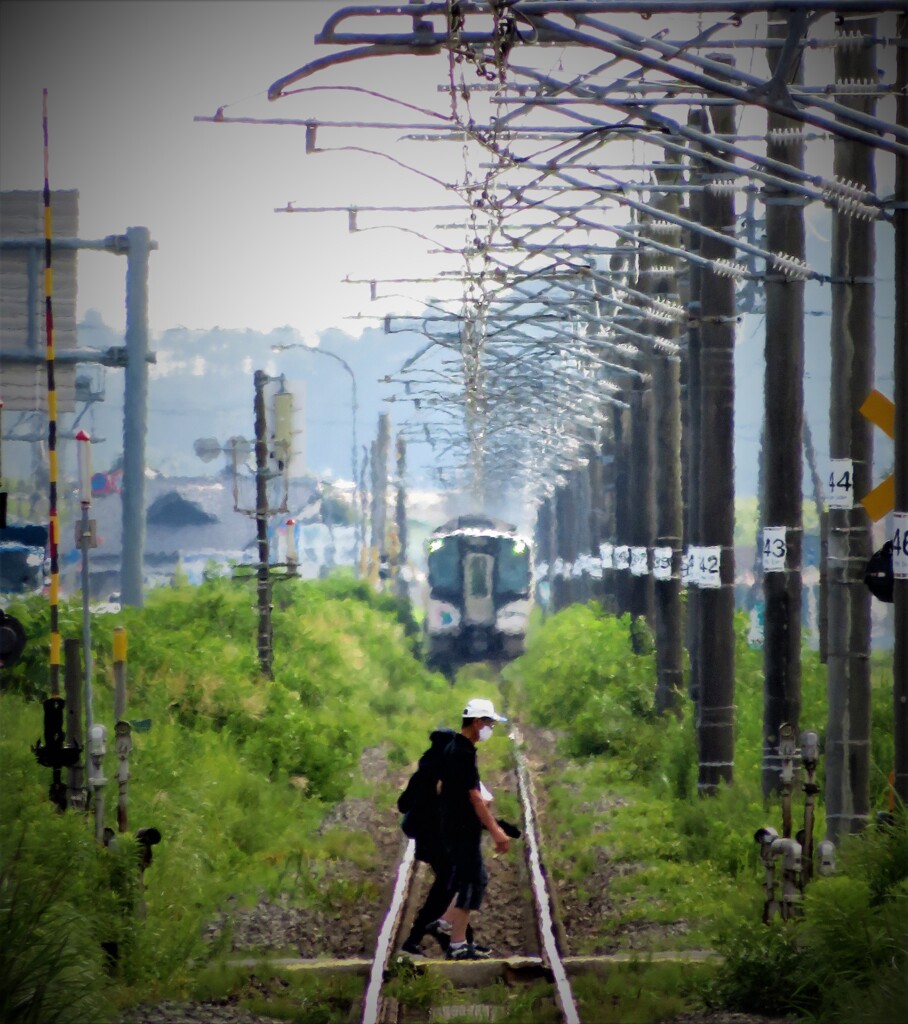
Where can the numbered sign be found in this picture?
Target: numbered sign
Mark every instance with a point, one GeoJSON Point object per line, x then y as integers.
{"type": "Point", "coordinates": [605, 554]}
{"type": "Point", "coordinates": [900, 545]}
{"type": "Point", "coordinates": [622, 557]}
{"type": "Point", "coordinates": [775, 549]}
{"type": "Point", "coordinates": [662, 563]}
{"type": "Point", "coordinates": [840, 484]}
{"type": "Point", "coordinates": [595, 568]}
{"type": "Point", "coordinates": [688, 561]}
{"type": "Point", "coordinates": [639, 562]}
{"type": "Point", "coordinates": [709, 563]}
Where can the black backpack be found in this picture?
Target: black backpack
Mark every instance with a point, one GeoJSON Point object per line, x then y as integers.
{"type": "Point", "coordinates": [419, 803]}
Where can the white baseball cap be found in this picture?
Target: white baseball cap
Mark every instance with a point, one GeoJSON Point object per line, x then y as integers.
{"type": "Point", "coordinates": [479, 707]}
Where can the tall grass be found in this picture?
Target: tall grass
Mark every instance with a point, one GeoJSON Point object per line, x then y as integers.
{"type": "Point", "coordinates": [628, 794]}
{"type": "Point", "coordinates": [235, 771]}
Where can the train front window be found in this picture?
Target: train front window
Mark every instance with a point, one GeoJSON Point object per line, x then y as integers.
{"type": "Point", "coordinates": [478, 576]}
{"type": "Point", "coordinates": [444, 566]}
{"type": "Point", "coordinates": [513, 567]}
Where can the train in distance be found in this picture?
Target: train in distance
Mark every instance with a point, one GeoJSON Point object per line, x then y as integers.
{"type": "Point", "coordinates": [480, 575]}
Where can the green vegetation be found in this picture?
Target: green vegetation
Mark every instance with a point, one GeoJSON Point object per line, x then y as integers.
{"type": "Point", "coordinates": [243, 778]}
{"type": "Point", "coordinates": [683, 872]}
{"type": "Point", "coordinates": [237, 773]}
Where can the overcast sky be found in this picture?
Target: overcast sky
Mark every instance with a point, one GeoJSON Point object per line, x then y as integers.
{"type": "Point", "coordinates": [125, 80]}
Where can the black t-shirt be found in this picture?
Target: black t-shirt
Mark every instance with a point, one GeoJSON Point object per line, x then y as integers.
{"type": "Point", "coordinates": [459, 774]}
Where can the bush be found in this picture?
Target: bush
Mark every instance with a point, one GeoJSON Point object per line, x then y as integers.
{"type": "Point", "coordinates": [585, 679]}
{"type": "Point", "coordinates": [236, 772]}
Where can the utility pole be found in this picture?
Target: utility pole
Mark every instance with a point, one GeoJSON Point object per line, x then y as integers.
{"type": "Point", "coordinates": [716, 627]}
{"type": "Point", "coordinates": [379, 469]}
{"type": "Point", "coordinates": [694, 440]}
{"type": "Point", "coordinates": [851, 461]}
{"type": "Point", "coordinates": [642, 451]}
{"type": "Point", "coordinates": [784, 405]}
{"type": "Point", "coordinates": [900, 373]}
{"type": "Point", "coordinates": [667, 460]}
{"type": "Point", "coordinates": [624, 512]}
{"type": "Point", "coordinates": [263, 588]}
{"type": "Point", "coordinates": [400, 516]}
{"type": "Point", "coordinates": [135, 416]}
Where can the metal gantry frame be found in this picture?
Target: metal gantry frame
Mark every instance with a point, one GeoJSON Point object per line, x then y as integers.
{"type": "Point", "coordinates": [559, 270]}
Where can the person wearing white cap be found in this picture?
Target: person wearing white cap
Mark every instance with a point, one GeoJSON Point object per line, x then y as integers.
{"type": "Point", "coordinates": [464, 815]}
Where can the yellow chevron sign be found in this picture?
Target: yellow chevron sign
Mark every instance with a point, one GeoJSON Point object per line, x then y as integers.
{"type": "Point", "coordinates": [881, 412]}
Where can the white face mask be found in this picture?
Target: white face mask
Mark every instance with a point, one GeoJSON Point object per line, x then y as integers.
{"type": "Point", "coordinates": [485, 733]}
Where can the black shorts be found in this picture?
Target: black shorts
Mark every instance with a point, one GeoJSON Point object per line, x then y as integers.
{"type": "Point", "coordinates": [469, 877]}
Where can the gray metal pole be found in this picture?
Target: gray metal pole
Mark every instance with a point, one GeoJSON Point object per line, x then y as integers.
{"type": "Point", "coordinates": [135, 417]}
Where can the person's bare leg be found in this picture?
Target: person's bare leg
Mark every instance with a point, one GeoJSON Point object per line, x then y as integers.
{"type": "Point", "coordinates": [459, 920]}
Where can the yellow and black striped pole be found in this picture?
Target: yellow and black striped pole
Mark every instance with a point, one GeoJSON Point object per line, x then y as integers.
{"type": "Point", "coordinates": [54, 523]}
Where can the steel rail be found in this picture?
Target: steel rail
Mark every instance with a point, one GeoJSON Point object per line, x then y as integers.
{"type": "Point", "coordinates": [544, 907]}
{"type": "Point", "coordinates": [372, 1002]}
{"type": "Point", "coordinates": [375, 1008]}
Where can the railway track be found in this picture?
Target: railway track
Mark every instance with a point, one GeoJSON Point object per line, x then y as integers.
{"type": "Point", "coordinates": [542, 956]}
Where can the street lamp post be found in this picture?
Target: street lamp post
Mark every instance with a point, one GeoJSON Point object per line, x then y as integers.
{"type": "Point", "coordinates": [357, 523]}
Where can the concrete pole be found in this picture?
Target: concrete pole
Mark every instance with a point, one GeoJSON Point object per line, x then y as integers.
{"type": "Point", "coordinates": [379, 467]}
{"type": "Point", "coordinates": [402, 588]}
{"type": "Point", "coordinates": [623, 505]}
{"type": "Point", "coordinates": [642, 485]}
{"type": "Point", "coordinates": [850, 437]}
{"type": "Point", "coordinates": [783, 425]}
{"type": "Point", "coordinates": [584, 543]}
{"type": "Point", "coordinates": [693, 443]}
{"type": "Point", "coordinates": [667, 466]}
{"type": "Point", "coordinates": [900, 373]}
{"type": "Point", "coordinates": [135, 417]}
{"type": "Point", "coordinates": [716, 624]}
{"type": "Point", "coordinates": [261, 526]}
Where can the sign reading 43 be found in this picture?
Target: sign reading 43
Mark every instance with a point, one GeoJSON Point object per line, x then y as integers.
{"type": "Point", "coordinates": [775, 549]}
